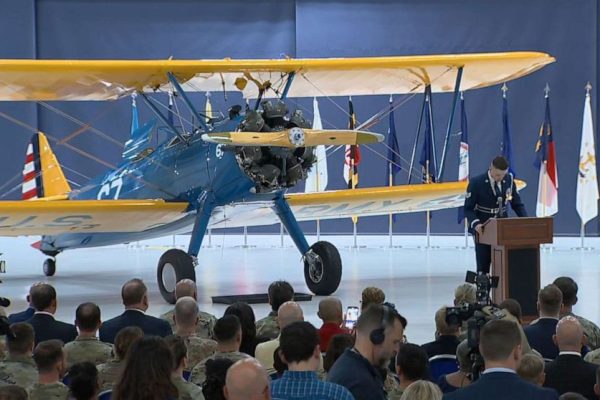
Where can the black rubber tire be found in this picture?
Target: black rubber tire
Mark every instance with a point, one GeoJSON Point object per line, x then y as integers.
{"type": "Point", "coordinates": [49, 266]}
{"type": "Point", "coordinates": [183, 267]}
{"type": "Point", "coordinates": [331, 264]}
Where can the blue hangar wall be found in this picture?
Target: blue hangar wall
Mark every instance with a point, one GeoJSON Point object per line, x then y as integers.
{"type": "Point", "coordinates": [136, 29]}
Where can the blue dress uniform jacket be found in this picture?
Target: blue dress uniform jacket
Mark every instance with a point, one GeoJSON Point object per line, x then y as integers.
{"type": "Point", "coordinates": [481, 204]}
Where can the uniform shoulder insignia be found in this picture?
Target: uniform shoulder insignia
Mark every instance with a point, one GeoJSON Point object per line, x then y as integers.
{"type": "Point", "coordinates": [468, 194]}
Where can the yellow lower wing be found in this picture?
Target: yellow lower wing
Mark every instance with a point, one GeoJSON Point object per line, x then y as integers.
{"type": "Point", "coordinates": [18, 218]}
{"type": "Point", "coordinates": [295, 137]}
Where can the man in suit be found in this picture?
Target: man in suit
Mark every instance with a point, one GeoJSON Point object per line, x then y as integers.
{"type": "Point", "coordinates": [540, 334]}
{"type": "Point", "coordinates": [569, 372]}
{"type": "Point", "coordinates": [135, 299]}
{"type": "Point", "coordinates": [487, 197]}
{"type": "Point", "coordinates": [446, 336]}
{"type": "Point", "coordinates": [43, 299]}
{"type": "Point", "coordinates": [23, 316]}
{"type": "Point", "coordinates": [500, 347]}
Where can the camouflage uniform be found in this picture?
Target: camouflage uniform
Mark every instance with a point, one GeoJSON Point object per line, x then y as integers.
{"type": "Point", "coordinates": [18, 370]}
{"type": "Point", "coordinates": [87, 349]}
{"type": "Point", "coordinates": [392, 387]}
{"type": "Point", "coordinates": [206, 323]}
{"type": "Point", "coordinates": [590, 329]}
{"type": "Point", "coordinates": [198, 349]}
{"type": "Point", "coordinates": [395, 394]}
{"type": "Point", "coordinates": [50, 391]}
{"type": "Point", "coordinates": [108, 373]}
{"type": "Point", "coordinates": [267, 327]}
{"type": "Point", "coordinates": [187, 390]}
{"type": "Point", "coordinates": [198, 375]}
{"type": "Point", "coordinates": [593, 356]}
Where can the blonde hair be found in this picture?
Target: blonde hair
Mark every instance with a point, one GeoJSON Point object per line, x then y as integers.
{"type": "Point", "coordinates": [465, 294]}
{"type": "Point", "coordinates": [422, 390]}
{"type": "Point", "coordinates": [531, 367]}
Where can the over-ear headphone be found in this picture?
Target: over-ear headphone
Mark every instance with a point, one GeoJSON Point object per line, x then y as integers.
{"type": "Point", "coordinates": [377, 336]}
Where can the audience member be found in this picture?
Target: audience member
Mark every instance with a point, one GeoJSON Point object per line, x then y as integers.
{"type": "Point", "coordinates": [23, 315]}
{"type": "Point", "coordinates": [186, 323]}
{"type": "Point", "coordinates": [446, 336]}
{"type": "Point", "coordinates": [246, 315]}
{"type": "Point", "coordinates": [86, 346]}
{"type": "Point", "coordinates": [299, 348]}
{"type": "Point", "coordinates": [134, 294]}
{"type": "Point", "coordinates": [228, 334]}
{"type": "Point", "coordinates": [531, 368]}
{"type": "Point", "coordinates": [597, 385]}
{"type": "Point", "coordinates": [593, 357]}
{"type": "Point", "coordinates": [288, 312]}
{"type": "Point", "coordinates": [18, 368]}
{"type": "Point", "coordinates": [147, 372]}
{"type": "Point", "coordinates": [279, 293]}
{"type": "Point", "coordinates": [83, 381]}
{"type": "Point", "coordinates": [500, 347]}
{"type": "Point", "coordinates": [540, 334]}
{"type": "Point", "coordinates": [332, 315]}
{"type": "Point", "coordinates": [337, 345]}
{"type": "Point", "coordinates": [278, 365]}
{"type": "Point", "coordinates": [247, 380]}
{"type": "Point", "coordinates": [206, 321]}
{"type": "Point", "coordinates": [12, 392]}
{"type": "Point", "coordinates": [411, 366]}
{"type": "Point", "coordinates": [569, 372]}
{"type": "Point", "coordinates": [109, 372]}
{"type": "Point", "coordinates": [461, 378]}
{"type": "Point", "coordinates": [43, 298]}
{"type": "Point", "coordinates": [465, 294]}
{"type": "Point", "coordinates": [514, 308]}
{"type": "Point", "coordinates": [371, 295]}
{"type": "Point", "coordinates": [50, 361]}
{"type": "Point", "coordinates": [569, 289]}
{"type": "Point", "coordinates": [571, 396]}
{"type": "Point", "coordinates": [422, 390]}
{"type": "Point", "coordinates": [379, 332]}
{"type": "Point", "coordinates": [186, 390]}
{"type": "Point", "coordinates": [216, 370]}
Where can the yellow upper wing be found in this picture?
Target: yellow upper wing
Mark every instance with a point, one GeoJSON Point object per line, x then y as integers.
{"type": "Point", "coordinates": [34, 80]}
{"type": "Point", "coordinates": [18, 218]}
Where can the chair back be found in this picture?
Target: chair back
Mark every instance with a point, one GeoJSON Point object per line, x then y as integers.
{"type": "Point", "coordinates": [442, 364]}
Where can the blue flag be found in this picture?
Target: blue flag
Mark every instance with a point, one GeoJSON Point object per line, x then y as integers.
{"type": "Point", "coordinates": [135, 119]}
{"type": "Point", "coordinates": [506, 145]}
{"type": "Point", "coordinates": [427, 159]}
{"type": "Point", "coordinates": [393, 155]}
{"type": "Point", "coordinates": [463, 166]}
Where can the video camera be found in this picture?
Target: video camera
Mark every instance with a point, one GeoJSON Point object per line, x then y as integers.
{"type": "Point", "coordinates": [476, 315]}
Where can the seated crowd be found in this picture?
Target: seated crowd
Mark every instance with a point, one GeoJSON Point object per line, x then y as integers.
{"type": "Point", "coordinates": [189, 354]}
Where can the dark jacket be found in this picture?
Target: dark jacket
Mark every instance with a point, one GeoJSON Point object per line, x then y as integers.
{"type": "Point", "coordinates": [502, 386]}
{"type": "Point", "coordinates": [445, 344]}
{"type": "Point", "coordinates": [356, 373]}
{"type": "Point", "coordinates": [481, 198]}
{"type": "Point", "coordinates": [570, 373]}
{"type": "Point", "coordinates": [21, 316]}
{"type": "Point", "coordinates": [151, 326]}
{"type": "Point", "coordinates": [46, 328]}
{"type": "Point", "coordinates": [539, 336]}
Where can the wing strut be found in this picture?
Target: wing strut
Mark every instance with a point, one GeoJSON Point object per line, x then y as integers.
{"type": "Point", "coordinates": [161, 116]}
{"type": "Point", "coordinates": [201, 117]}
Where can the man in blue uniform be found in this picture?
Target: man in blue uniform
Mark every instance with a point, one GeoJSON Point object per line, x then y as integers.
{"type": "Point", "coordinates": [487, 197]}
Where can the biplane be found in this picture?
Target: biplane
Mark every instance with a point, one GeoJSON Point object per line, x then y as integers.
{"type": "Point", "coordinates": [230, 171]}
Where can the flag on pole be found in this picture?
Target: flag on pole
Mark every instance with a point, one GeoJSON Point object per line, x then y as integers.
{"type": "Point", "coordinates": [170, 113]}
{"type": "Point", "coordinates": [135, 119]}
{"type": "Point", "coordinates": [463, 166]}
{"type": "Point", "coordinates": [393, 156]}
{"type": "Point", "coordinates": [317, 178]}
{"type": "Point", "coordinates": [587, 182]}
{"type": "Point", "coordinates": [506, 145]}
{"type": "Point", "coordinates": [352, 154]}
{"type": "Point", "coordinates": [547, 198]}
{"type": "Point", "coordinates": [208, 108]}
{"type": "Point", "coordinates": [427, 159]}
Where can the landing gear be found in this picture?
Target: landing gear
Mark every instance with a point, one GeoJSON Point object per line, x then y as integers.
{"type": "Point", "coordinates": [173, 266]}
{"type": "Point", "coordinates": [50, 266]}
{"type": "Point", "coordinates": [322, 268]}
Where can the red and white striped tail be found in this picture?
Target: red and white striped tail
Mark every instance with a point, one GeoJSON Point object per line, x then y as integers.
{"type": "Point", "coordinates": [31, 174]}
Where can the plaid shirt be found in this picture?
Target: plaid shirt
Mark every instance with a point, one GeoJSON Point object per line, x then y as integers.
{"type": "Point", "coordinates": [306, 385]}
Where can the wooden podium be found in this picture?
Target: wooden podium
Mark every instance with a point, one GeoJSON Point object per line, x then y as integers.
{"type": "Point", "coordinates": [516, 258]}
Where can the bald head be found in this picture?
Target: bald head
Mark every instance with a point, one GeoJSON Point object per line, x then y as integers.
{"type": "Point", "coordinates": [330, 310]}
{"type": "Point", "coordinates": [289, 312]}
{"type": "Point", "coordinates": [569, 334]}
{"type": "Point", "coordinates": [247, 380]}
{"type": "Point", "coordinates": [186, 312]}
{"type": "Point", "coordinates": [186, 287]}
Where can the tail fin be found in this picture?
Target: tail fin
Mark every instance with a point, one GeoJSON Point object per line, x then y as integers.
{"type": "Point", "coordinates": [42, 175]}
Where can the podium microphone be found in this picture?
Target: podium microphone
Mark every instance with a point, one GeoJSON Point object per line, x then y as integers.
{"type": "Point", "coordinates": [499, 213]}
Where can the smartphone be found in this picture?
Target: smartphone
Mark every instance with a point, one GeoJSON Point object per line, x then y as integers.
{"type": "Point", "coordinates": [351, 317]}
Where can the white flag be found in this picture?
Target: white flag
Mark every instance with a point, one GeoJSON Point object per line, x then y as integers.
{"type": "Point", "coordinates": [317, 177]}
{"type": "Point", "coordinates": [587, 183]}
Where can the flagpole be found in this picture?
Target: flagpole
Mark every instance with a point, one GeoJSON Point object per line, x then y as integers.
{"type": "Point", "coordinates": [390, 216]}
{"type": "Point", "coordinates": [427, 213]}
{"type": "Point", "coordinates": [281, 232]}
{"type": "Point", "coordinates": [466, 234]}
